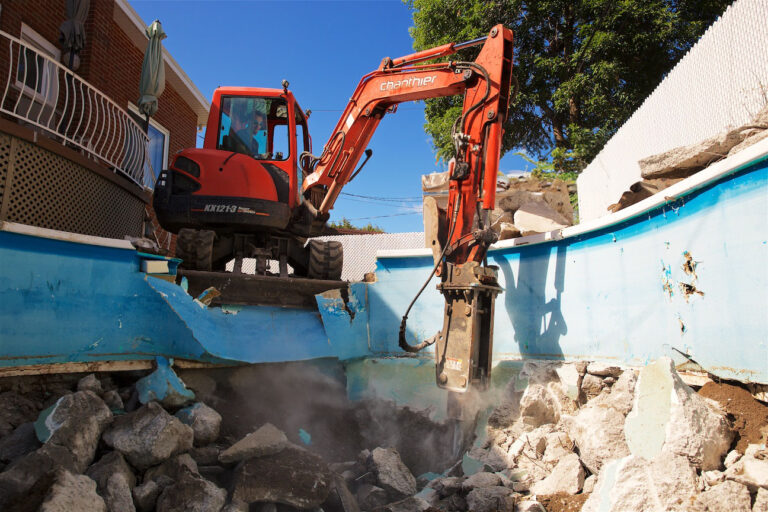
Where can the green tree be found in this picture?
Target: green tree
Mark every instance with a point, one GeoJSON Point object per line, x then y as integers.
{"type": "Point", "coordinates": [583, 66]}
{"type": "Point", "coordinates": [344, 223]}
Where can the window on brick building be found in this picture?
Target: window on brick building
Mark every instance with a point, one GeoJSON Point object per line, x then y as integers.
{"type": "Point", "coordinates": [159, 138]}
{"type": "Point", "coordinates": [37, 76]}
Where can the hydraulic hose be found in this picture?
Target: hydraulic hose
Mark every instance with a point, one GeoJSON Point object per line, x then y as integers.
{"type": "Point", "coordinates": [401, 337]}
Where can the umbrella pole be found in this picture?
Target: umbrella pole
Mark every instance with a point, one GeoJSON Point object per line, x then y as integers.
{"type": "Point", "coordinates": [146, 125]}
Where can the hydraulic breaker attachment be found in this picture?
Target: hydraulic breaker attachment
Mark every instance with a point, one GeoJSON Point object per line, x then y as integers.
{"type": "Point", "coordinates": [464, 348]}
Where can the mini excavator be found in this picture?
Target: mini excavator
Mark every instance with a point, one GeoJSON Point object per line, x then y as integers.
{"type": "Point", "coordinates": [255, 190]}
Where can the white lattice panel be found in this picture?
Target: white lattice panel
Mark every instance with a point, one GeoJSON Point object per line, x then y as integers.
{"type": "Point", "coordinates": [721, 83]}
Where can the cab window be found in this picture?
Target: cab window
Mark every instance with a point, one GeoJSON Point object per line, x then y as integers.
{"type": "Point", "coordinates": [254, 126]}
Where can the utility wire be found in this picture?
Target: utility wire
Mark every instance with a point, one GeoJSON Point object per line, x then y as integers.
{"type": "Point", "coordinates": [382, 216]}
{"type": "Point", "coordinates": [379, 198]}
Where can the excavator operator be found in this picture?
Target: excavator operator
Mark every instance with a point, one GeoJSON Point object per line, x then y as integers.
{"type": "Point", "coordinates": [247, 132]}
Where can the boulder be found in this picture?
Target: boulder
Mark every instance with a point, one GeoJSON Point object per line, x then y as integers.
{"type": "Point", "coordinates": [164, 386]}
{"type": "Point", "coordinates": [148, 436]}
{"type": "Point", "coordinates": [71, 492]}
{"type": "Point", "coordinates": [729, 495]}
{"type": "Point", "coordinates": [481, 479]}
{"type": "Point", "coordinates": [114, 481]}
{"type": "Point", "coordinates": [292, 476]}
{"type": "Point", "coordinates": [191, 493]}
{"type": "Point", "coordinates": [113, 400]}
{"type": "Point", "coordinates": [173, 468]}
{"type": "Point", "coordinates": [683, 161]}
{"type": "Point", "coordinates": [205, 422]}
{"type": "Point", "coordinates": [631, 483]}
{"type": "Point", "coordinates": [669, 416]}
{"type": "Point", "coordinates": [267, 440]}
{"type": "Point", "coordinates": [371, 497]}
{"type": "Point", "coordinates": [30, 476]}
{"type": "Point", "coordinates": [491, 499]}
{"type": "Point", "coordinates": [20, 442]}
{"type": "Point", "coordinates": [567, 477]}
{"type": "Point", "coordinates": [538, 217]}
{"type": "Point", "coordinates": [15, 410]}
{"type": "Point", "coordinates": [392, 475]}
{"type": "Point", "coordinates": [145, 495]}
{"type": "Point", "coordinates": [90, 383]}
{"type": "Point", "coordinates": [75, 422]}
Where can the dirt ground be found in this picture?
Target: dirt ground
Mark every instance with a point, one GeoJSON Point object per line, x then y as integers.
{"type": "Point", "coordinates": [563, 502]}
{"type": "Point", "coordinates": [749, 416]}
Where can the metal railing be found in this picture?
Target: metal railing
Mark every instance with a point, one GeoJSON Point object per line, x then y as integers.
{"type": "Point", "coordinates": [47, 95]}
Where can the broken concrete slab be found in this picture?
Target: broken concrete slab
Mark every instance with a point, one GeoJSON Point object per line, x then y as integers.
{"type": "Point", "coordinates": [113, 400]}
{"type": "Point", "coordinates": [90, 383]}
{"type": "Point", "coordinates": [145, 495]}
{"type": "Point", "coordinates": [173, 468]}
{"type": "Point", "coordinates": [164, 386]}
{"type": "Point", "coordinates": [27, 479]}
{"type": "Point", "coordinates": [21, 441]}
{"type": "Point", "coordinates": [148, 436]}
{"type": "Point", "coordinates": [114, 481]}
{"type": "Point", "coordinates": [76, 422]}
{"type": "Point", "coordinates": [598, 431]}
{"type": "Point", "coordinates": [591, 386]}
{"type": "Point", "coordinates": [508, 230]}
{"type": "Point", "coordinates": [669, 416]}
{"type": "Point", "coordinates": [191, 493]}
{"type": "Point", "coordinates": [206, 455]}
{"type": "Point", "coordinates": [729, 495]}
{"type": "Point", "coordinates": [491, 499]}
{"type": "Point", "coordinates": [631, 483]}
{"type": "Point", "coordinates": [732, 458]}
{"type": "Point", "coordinates": [603, 369]}
{"type": "Point", "coordinates": [267, 440]}
{"type": "Point", "coordinates": [538, 217]}
{"type": "Point", "coordinates": [570, 378]}
{"type": "Point", "coordinates": [750, 470]}
{"type": "Point", "coordinates": [567, 477]}
{"type": "Point", "coordinates": [481, 479]}
{"type": "Point", "coordinates": [538, 406]}
{"type": "Point", "coordinates": [393, 476]}
{"type": "Point", "coordinates": [371, 497]}
{"type": "Point", "coordinates": [292, 476]}
{"type": "Point", "coordinates": [71, 492]}
{"type": "Point", "coordinates": [205, 422]}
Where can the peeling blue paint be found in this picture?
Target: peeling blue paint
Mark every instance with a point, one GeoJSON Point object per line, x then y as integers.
{"type": "Point", "coordinates": [164, 386]}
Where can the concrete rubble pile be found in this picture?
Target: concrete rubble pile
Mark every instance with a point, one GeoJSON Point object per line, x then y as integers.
{"type": "Point", "coordinates": [560, 437]}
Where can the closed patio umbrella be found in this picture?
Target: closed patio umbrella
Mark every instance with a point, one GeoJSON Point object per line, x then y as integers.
{"type": "Point", "coordinates": [72, 31]}
{"type": "Point", "coordinates": [152, 82]}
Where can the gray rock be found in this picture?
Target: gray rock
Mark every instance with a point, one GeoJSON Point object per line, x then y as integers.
{"type": "Point", "coordinates": [27, 479]}
{"type": "Point", "coordinates": [75, 422]}
{"type": "Point", "coordinates": [145, 495]}
{"type": "Point", "coordinates": [114, 481]}
{"type": "Point", "coordinates": [20, 442]}
{"type": "Point", "coordinates": [409, 504]}
{"type": "Point", "coordinates": [90, 383]}
{"type": "Point", "coordinates": [205, 455]}
{"type": "Point", "coordinates": [293, 476]}
{"type": "Point", "coordinates": [482, 479]}
{"type": "Point", "coordinates": [205, 422]}
{"type": "Point", "coordinates": [267, 440]}
{"type": "Point", "coordinates": [191, 493]}
{"type": "Point", "coordinates": [567, 477]}
{"type": "Point", "coordinates": [729, 495]}
{"type": "Point", "coordinates": [15, 410]}
{"type": "Point", "coordinates": [669, 416]}
{"type": "Point", "coordinates": [538, 407]}
{"type": "Point", "coordinates": [113, 400]}
{"type": "Point", "coordinates": [148, 436]}
{"type": "Point", "coordinates": [73, 493]}
{"type": "Point", "coordinates": [491, 499]}
{"type": "Point", "coordinates": [448, 485]}
{"type": "Point", "coordinates": [393, 476]}
{"type": "Point", "coordinates": [173, 468]}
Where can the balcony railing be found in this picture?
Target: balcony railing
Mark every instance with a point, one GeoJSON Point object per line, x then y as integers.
{"type": "Point", "coordinates": [47, 95]}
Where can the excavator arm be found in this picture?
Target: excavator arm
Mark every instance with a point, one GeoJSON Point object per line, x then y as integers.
{"type": "Point", "coordinates": [464, 346]}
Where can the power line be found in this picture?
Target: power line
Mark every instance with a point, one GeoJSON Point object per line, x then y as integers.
{"type": "Point", "coordinates": [388, 199]}
{"type": "Point", "coordinates": [382, 216]}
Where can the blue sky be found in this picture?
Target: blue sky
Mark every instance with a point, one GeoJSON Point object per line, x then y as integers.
{"type": "Point", "coordinates": [322, 48]}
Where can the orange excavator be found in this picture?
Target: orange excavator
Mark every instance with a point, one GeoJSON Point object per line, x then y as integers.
{"type": "Point", "coordinates": [255, 190]}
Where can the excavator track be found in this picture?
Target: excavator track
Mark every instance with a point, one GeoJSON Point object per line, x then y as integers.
{"type": "Point", "coordinates": [258, 290]}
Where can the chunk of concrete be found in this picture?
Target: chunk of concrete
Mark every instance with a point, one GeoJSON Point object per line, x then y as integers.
{"type": "Point", "coordinates": [206, 455]}
{"type": "Point", "coordinates": [598, 431]}
{"type": "Point", "coordinates": [393, 476]}
{"type": "Point", "coordinates": [558, 445]}
{"type": "Point", "coordinates": [173, 468]}
{"type": "Point", "coordinates": [481, 479]}
{"type": "Point", "coordinates": [292, 476]}
{"type": "Point", "coordinates": [491, 499]}
{"type": "Point", "coordinates": [729, 495]}
{"type": "Point", "coordinates": [145, 495]}
{"type": "Point", "coordinates": [570, 378]}
{"type": "Point", "coordinates": [30, 475]}
{"type": "Point", "coordinates": [15, 409]}
{"type": "Point", "coordinates": [205, 422]}
{"type": "Point", "coordinates": [113, 400]}
{"type": "Point", "coordinates": [409, 504]}
{"type": "Point", "coordinates": [529, 506]}
{"type": "Point", "coordinates": [164, 386]}
{"type": "Point", "coordinates": [750, 471]}
{"type": "Point", "coordinates": [114, 481]}
{"type": "Point", "coordinates": [668, 482]}
{"type": "Point", "coordinates": [669, 416]}
{"type": "Point", "coordinates": [20, 442]}
{"type": "Point", "coordinates": [591, 386]}
{"type": "Point", "coordinates": [191, 493]}
{"type": "Point", "coordinates": [371, 497]}
{"type": "Point", "coordinates": [538, 406]}
{"type": "Point", "coordinates": [508, 230]}
{"type": "Point", "coordinates": [761, 501]}
{"type": "Point", "coordinates": [267, 440]}
{"type": "Point", "coordinates": [71, 492]}
{"type": "Point", "coordinates": [732, 458]}
{"type": "Point", "coordinates": [148, 436]}
{"type": "Point", "coordinates": [603, 369]}
{"type": "Point", "coordinates": [76, 422]}
{"type": "Point", "coordinates": [589, 484]}
{"type": "Point", "coordinates": [538, 217]}
{"type": "Point", "coordinates": [567, 477]}
{"type": "Point", "coordinates": [90, 383]}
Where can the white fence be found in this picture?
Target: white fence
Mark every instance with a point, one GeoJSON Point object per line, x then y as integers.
{"type": "Point", "coordinates": [49, 96]}
{"type": "Point", "coordinates": [721, 83]}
